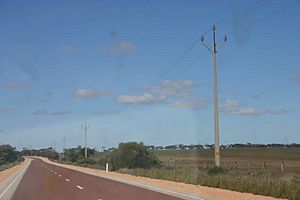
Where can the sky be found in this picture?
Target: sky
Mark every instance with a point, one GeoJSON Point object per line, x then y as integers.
{"type": "Point", "coordinates": [137, 71]}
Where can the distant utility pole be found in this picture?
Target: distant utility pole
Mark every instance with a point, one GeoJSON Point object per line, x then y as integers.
{"type": "Point", "coordinates": [213, 50]}
{"type": "Point", "coordinates": [85, 127]}
{"type": "Point", "coordinates": [54, 145]}
{"type": "Point", "coordinates": [64, 143]}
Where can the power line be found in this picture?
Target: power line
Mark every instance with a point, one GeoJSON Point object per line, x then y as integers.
{"type": "Point", "coordinates": [187, 67]}
{"type": "Point", "coordinates": [278, 11]}
{"type": "Point", "coordinates": [221, 22]}
{"type": "Point", "coordinates": [243, 13]}
{"type": "Point", "coordinates": [274, 13]}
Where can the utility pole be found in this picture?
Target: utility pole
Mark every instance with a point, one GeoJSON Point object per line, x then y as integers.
{"type": "Point", "coordinates": [54, 145]}
{"type": "Point", "coordinates": [85, 127]}
{"type": "Point", "coordinates": [213, 50]}
{"type": "Point", "coordinates": [64, 143]}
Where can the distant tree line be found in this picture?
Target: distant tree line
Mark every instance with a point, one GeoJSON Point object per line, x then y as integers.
{"type": "Point", "coordinates": [211, 146]}
{"type": "Point", "coordinates": [46, 152]}
{"type": "Point", "coordinates": [8, 154]}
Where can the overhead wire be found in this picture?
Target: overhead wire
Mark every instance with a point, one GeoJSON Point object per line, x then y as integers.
{"type": "Point", "coordinates": [222, 22]}
{"type": "Point", "coordinates": [253, 22]}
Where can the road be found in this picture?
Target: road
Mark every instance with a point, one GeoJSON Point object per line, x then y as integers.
{"type": "Point", "coordinates": [44, 181]}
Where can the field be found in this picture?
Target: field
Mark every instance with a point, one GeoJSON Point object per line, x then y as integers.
{"type": "Point", "coordinates": [272, 172]}
{"type": "Point", "coordinates": [288, 154]}
{"type": "Point", "coordinates": [259, 159]}
{"type": "Point", "coordinates": [264, 175]}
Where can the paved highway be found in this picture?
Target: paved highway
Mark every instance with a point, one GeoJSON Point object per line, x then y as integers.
{"type": "Point", "coordinates": [44, 181]}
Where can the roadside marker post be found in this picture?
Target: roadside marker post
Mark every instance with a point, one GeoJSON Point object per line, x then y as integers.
{"type": "Point", "coordinates": [106, 167]}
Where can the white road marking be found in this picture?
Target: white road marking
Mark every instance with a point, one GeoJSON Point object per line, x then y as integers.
{"type": "Point", "coordinates": [79, 187]}
{"type": "Point", "coordinates": [59, 175]}
{"type": "Point", "coordinates": [67, 179]}
{"type": "Point", "coordinates": [55, 173]}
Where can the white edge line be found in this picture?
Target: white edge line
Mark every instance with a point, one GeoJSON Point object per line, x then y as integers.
{"type": "Point", "coordinates": [152, 188]}
{"type": "Point", "coordinates": [13, 182]}
{"type": "Point", "coordinates": [79, 187]}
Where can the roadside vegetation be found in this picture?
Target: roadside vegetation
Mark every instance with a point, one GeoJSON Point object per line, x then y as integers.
{"type": "Point", "coordinates": [128, 155]}
{"type": "Point", "coordinates": [194, 165]}
{"type": "Point", "coordinates": [262, 183]}
{"type": "Point", "coordinates": [9, 157]}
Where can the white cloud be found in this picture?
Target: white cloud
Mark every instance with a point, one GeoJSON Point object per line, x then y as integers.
{"type": "Point", "coordinates": [195, 104]}
{"type": "Point", "coordinates": [40, 112]}
{"type": "Point", "coordinates": [280, 111]}
{"type": "Point", "coordinates": [4, 110]}
{"type": "Point", "coordinates": [17, 85]}
{"type": "Point", "coordinates": [43, 112]}
{"type": "Point", "coordinates": [85, 93]}
{"type": "Point", "coordinates": [141, 99]}
{"type": "Point", "coordinates": [67, 48]}
{"type": "Point", "coordinates": [161, 93]}
{"type": "Point", "coordinates": [108, 112]}
{"type": "Point", "coordinates": [172, 88]}
{"type": "Point", "coordinates": [256, 97]}
{"type": "Point", "coordinates": [296, 77]}
{"type": "Point", "coordinates": [123, 47]}
{"type": "Point", "coordinates": [234, 107]}
{"type": "Point", "coordinates": [60, 113]}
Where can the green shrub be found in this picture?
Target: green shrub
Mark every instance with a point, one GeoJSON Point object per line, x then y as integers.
{"type": "Point", "coordinates": [8, 154]}
{"type": "Point", "coordinates": [86, 161]}
{"type": "Point", "coordinates": [216, 170]}
{"type": "Point", "coordinates": [132, 155]}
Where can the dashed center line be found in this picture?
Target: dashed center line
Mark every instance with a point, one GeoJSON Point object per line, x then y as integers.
{"type": "Point", "coordinates": [67, 179]}
{"type": "Point", "coordinates": [55, 173]}
{"type": "Point", "coordinates": [59, 175]}
{"type": "Point", "coordinates": [79, 187]}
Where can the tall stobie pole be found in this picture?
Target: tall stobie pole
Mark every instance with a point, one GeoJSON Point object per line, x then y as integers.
{"type": "Point", "coordinates": [213, 50]}
{"type": "Point", "coordinates": [85, 127]}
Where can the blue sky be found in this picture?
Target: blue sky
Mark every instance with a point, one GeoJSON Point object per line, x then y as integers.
{"type": "Point", "coordinates": [63, 63]}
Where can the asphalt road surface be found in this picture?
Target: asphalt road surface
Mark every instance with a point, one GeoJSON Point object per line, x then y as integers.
{"type": "Point", "coordinates": [43, 181]}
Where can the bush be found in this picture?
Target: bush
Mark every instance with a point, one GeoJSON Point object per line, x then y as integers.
{"type": "Point", "coordinates": [216, 170]}
{"type": "Point", "coordinates": [86, 161]}
{"type": "Point", "coordinates": [76, 154]}
{"type": "Point", "coordinates": [132, 155]}
{"type": "Point", "coordinates": [8, 154]}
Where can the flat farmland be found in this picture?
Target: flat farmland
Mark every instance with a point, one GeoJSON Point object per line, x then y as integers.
{"type": "Point", "coordinates": [277, 154]}
{"type": "Point", "coordinates": [242, 159]}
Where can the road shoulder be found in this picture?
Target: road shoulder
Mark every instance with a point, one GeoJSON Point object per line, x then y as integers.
{"type": "Point", "coordinates": [10, 179]}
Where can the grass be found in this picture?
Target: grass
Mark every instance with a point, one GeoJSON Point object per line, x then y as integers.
{"type": "Point", "coordinates": [9, 165]}
{"type": "Point", "coordinates": [187, 166]}
{"type": "Point", "coordinates": [262, 183]}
